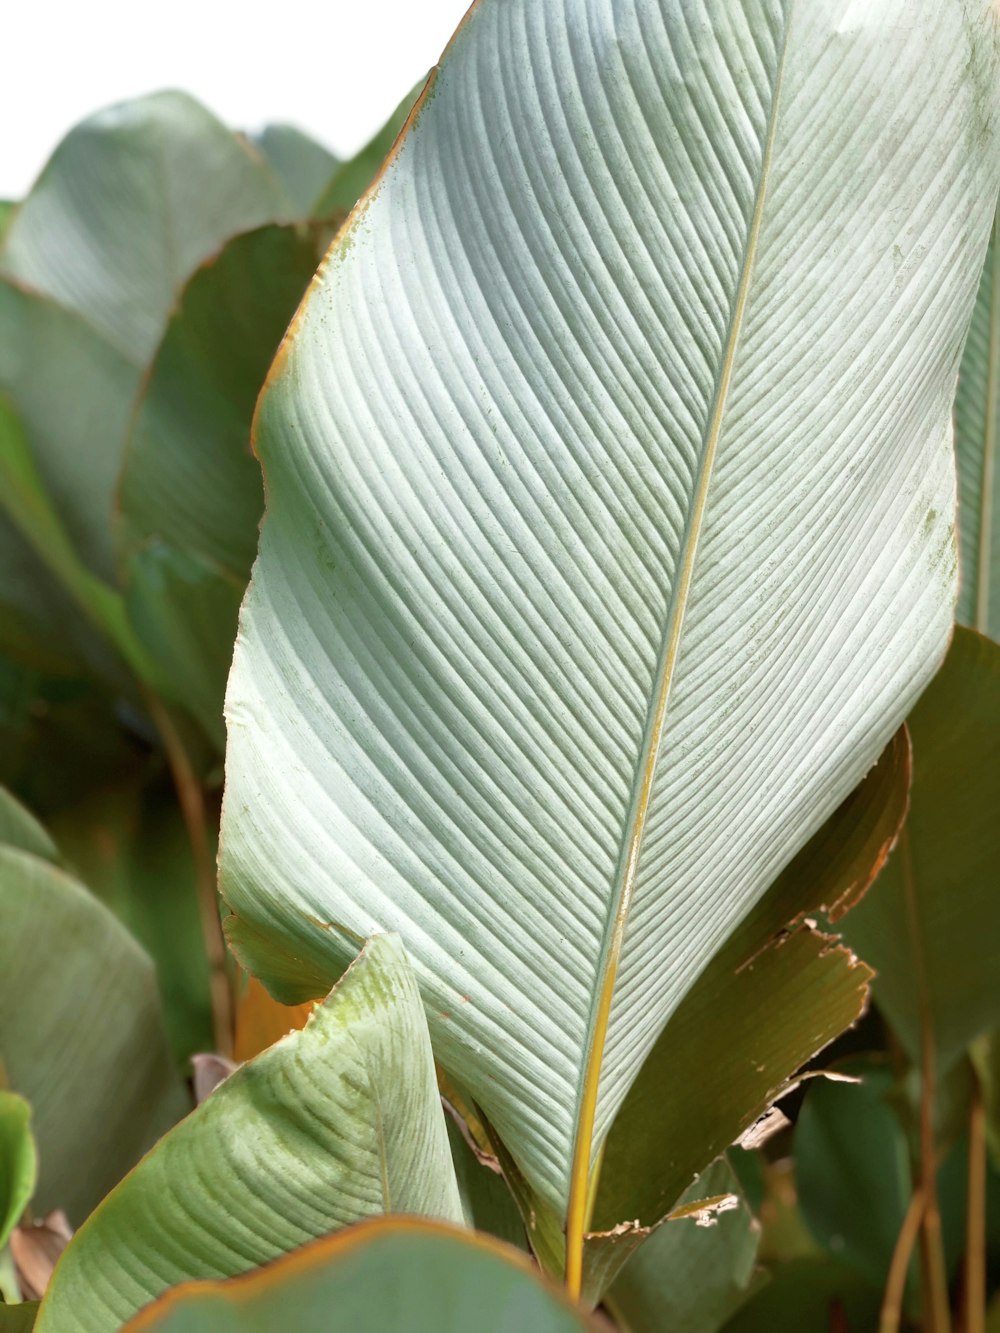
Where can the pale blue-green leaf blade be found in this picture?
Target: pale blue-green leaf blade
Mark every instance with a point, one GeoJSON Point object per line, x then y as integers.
{"type": "Point", "coordinates": [333, 1124]}
{"type": "Point", "coordinates": [610, 514]}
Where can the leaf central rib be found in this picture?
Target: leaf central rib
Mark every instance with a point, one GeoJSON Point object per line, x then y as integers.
{"type": "Point", "coordinates": [582, 1189]}
{"type": "Point", "coordinates": [985, 552]}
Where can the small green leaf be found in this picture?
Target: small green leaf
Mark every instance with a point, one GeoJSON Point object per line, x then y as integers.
{"type": "Point", "coordinates": [334, 1123]}
{"type": "Point", "coordinates": [18, 1161]}
{"type": "Point", "coordinates": [393, 1275]}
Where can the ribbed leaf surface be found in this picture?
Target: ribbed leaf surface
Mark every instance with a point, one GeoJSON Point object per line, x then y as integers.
{"type": "Point", "coordinates": [610, 501]}
{"type": "Point", "coordinates": [331, 1125]}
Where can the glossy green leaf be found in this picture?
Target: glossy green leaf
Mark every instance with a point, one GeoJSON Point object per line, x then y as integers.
{"type": "Point", "coordinates": [930, 925]}
{"type": "Point", "coordinates": [977, 423]}
{"type": "Point", "coordinates": [600, 459]}
{"type": "Point", "coordinates": [128, 843]}
{"type": "Point", "coordinates": [335, 1123]}
{"type": "Point", "coordinates": [354, 176]}
{"type": "Point", "coordinates": [128, 206]}
{"type": "Point", "coordinates": [18, 1161]}
{"type": "Point", "coordinates": [394, 1275]}
{"type": "Point", "coordinates": [690, 1277]}
{"type": "Point", "coordinates": [81, 1033]}
{"type": "Point", "coordinates": [304, 167]}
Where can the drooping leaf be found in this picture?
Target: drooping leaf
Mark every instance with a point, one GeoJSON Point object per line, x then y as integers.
{"type": "Point", "coordinates": [929, 926]}
{"type": "Point", "coordinates": [18, 1161]}
{"type": "Point", "coordinates": [690, 1278]}
{"type": "Point", "coordinates": [977, 423]}
{"type": "Point", "coordinates": [81, 1034]}
{"type": "Point", "coordinates": [130, 203]}
{"type": "Point", "coordinates": [396, 1275]}
{"type": "Point", "coordinates": [596, 471]}
{"type": "Point", "coordinates": [333, 1124]}
{"type": "Point", "coordinates": [304, 167]}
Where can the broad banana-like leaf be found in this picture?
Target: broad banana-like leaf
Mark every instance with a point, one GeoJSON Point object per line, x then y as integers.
{"type": "Point", "coordinates": [777, 991]}
{"type": "Point", "coordinates": [18, 1161]}
{"type": "Point", "coordinates": [130, 203]}
{"type": "Point", "coordinates": [333, 1124]}
{"type": "Point", "coordinates": [81, 1032]}
{"type": "Point", "coordinates": [977, 424]}
{"type": "Point", "coordinates": [930, 925]}
{"type": "Point", "coordinates": [610, 515]}
{"type": "Point", "coordinates": [397, 1275]}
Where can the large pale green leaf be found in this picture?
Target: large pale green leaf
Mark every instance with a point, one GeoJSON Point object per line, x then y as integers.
{"type": "Point", "coordinates": [18, 1161]}
{"type": "Point", "coordinates": [930, 925]}
{"type": "Point", "coordinates": [977, 422]}
{"type": "Point", "coordinates": [394, 1275]}
{"type": "Point", "coordinates": [610, 515]}
{"type": "Point", "coordinates": [131, 202]}
{"type": "Point", "coordinates": [333, 1124]}
{"type": "Point", "coordinates": [81, 1033]}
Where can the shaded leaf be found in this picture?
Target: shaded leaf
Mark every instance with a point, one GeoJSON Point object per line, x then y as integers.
{"type": "Point", "coordinates": [18, 1318]}
{"type": "Point", "coordinates": [815, 1294]}
{"type": "Point", "coordinates": [930, 925]}
{"type": "Point", "coordinates": [335, 1123]}
{"type": "Point", "coordinates": [261, 1021]}
{"type": "Point", "coordinates": [515, 669]}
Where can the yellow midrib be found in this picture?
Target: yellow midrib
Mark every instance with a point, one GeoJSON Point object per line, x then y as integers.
{"type": "Point", "coordinates": [581, 1192]}
{"type": "Point", "coordinates": [985, 551]}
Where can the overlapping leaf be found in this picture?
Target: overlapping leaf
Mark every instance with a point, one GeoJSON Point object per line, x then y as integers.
{"type": "Point", "coordinates": [601, 461]}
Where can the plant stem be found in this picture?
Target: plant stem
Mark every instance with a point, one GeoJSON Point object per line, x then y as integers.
{"type": "Point", "coordinates": [975, 1227]}
{"type": "Point", "coordinates": [192, 803]}
{"type": "Point", "coordinates": [895, 1286]}
{"type": "Point", "coordinates": [934, 1295]}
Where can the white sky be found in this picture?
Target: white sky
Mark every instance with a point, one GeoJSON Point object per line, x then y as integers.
{"type": "Point", "coordinates": [336, 69]}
